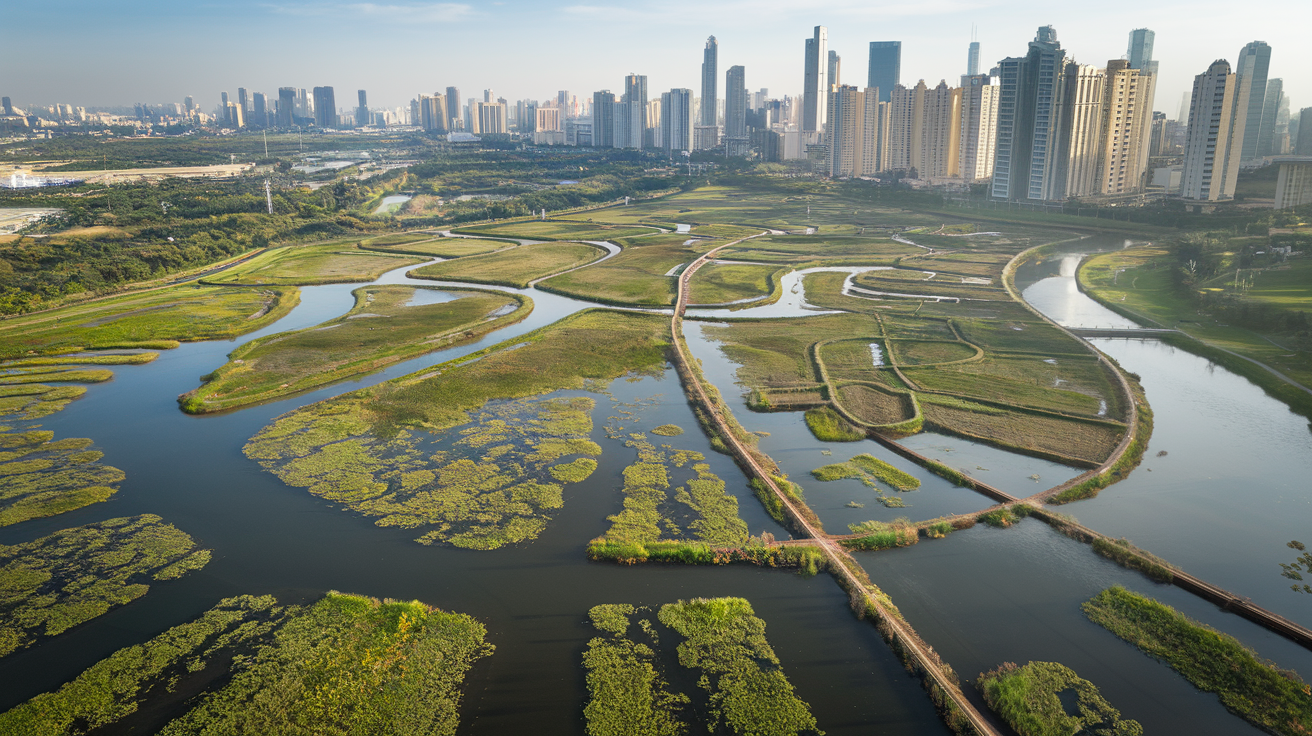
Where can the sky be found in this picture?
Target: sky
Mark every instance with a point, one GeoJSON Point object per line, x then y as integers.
{"type": "Point", "coordinates": [95, 53]}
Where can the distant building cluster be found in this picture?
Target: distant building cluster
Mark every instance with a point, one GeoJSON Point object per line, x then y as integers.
{"type": "Point", "coordinates": [1035, 128]}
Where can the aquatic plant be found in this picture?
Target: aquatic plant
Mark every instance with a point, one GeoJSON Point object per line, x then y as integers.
{"type": "Point", "coordinates": [627, 694]}
{"type": "Point", "coordinates": [1027, 698]}
{"type": "Point", "coordinates": [57, 582]}
{"type": "Point", "coordinates": [43, 477]}
{"type": "Point", "coordinates": [749, 693]}
{"type": "Point", "coordinates": [668, 430]}
{"type": "Point", "coordinates": [1275, 700]}
{"type": "Point", "coordinates": [875, 535]}
{"type": "Point", "coordinates": [828, 426]}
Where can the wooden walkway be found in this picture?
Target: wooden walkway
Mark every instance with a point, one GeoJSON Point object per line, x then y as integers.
{"type": "Point", "coordinates": [904, 638]}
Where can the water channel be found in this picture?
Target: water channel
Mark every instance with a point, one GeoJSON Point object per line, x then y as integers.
{"type": "Point", "coordinates": [1221, 504]}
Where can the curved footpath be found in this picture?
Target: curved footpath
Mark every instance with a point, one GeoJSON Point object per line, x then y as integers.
{"type": "Point", "coordinates": [904, 640]}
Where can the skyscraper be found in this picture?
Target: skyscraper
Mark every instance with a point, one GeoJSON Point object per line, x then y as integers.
{"type": "Point", "coordinates": [972, 60]}
{"type": "Point", "coordinates": [906, 127]}
{"type": "Point", "coordinates": [834, 76]}
{"type": "Point", "coordinates": [815, 90]}
{"type": "Point", "coordinates": [243, 99]}
{"type": "Point", "coordinates": [979, 128]}
{"type": "Point", "coordinates": [286, 106]}
{"type": "Point", "coordinates": [188, 103]}
{"type": "Point", "coordinates": [632, 119]}
{"type": "Point", "coordinates": [1275, 89]}
{"type": "Point", "coordinates": [676, 120]}
{"type": "Point", "coordinates": [1026, 164]}
{"type": "Point", "coordinates": [1140, 52]}
{"type": "Point", "coordinates": [1080, 131]}
{"type": "Point", "coordinates": [735, 112]}
{"type": "Point", "coordinates": [710, 80]}
{"type": "Point", "coordinates": [1303, 146]}
{"type": "Point", "coordinates": [433, 116]}
{"type": "Point", "coordinates": [1213, 146]}
{"type": "Point", "coordinates": [1126, 128]}
{"type": "Point", "coordinates": [259, 110]}
{"type": "Point", "coordinates": [885, 67]}
{"type": "Point", "coordinates": [603, 119]}
{"type": "Point", "coordinates": [845, 133]}
{"type": "Point", "coordinates": [1250, 74]}
{"type": "Point", "coordinates": [453, 107]}
{"type": "Point", "coordinates": [9, 106]}
{"type": "Point", "coordinates": [940, 132]}
{"type": "Point", "coordinates": [361, 110]}
{"type": "Point", "coordinates": [325, 108]}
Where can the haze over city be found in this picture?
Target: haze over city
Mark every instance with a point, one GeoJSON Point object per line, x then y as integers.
{"type": "Point", "coordinates": [96, 54]}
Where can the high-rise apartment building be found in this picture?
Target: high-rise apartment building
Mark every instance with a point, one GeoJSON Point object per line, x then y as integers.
{"type": "Point", "coordinates": [1026, 163]}
{"type": "Point", "coordinates": [736, 140]}
{"type": "Point", "coordinates": [979, 128]}
{"type": "Point", "coordinates": [1080, 129]}
{"type": "Point", "coordinates": [304, 107]}
{"type": "Point", "coordinates": [1218, 113]}
{"type": "Point", "coordinates": [325, 108]}
{"type": "Point", "coordinates": [234, 116]}
{"type": "Point", "coordinates": [548, 119]}
{"type": "Point", "coordinates": [834, 74]}
{"type": "Point", "coordinates": [188, 104]}
{"type": "Point", "coordinates": [243, 99]}
{"type": "Point", "coordinates": [885, 67]}
{"type": "Point", "coordinates": [491, 118]}
{"type": "Point", "coordinates": [815, 90]}
{"type": "Point", "coordinates": [845, 133]}
{"type": "Point", "coordinates": [906, 126]}
{"type": "Point", "coordinates": [1126, 128]}
{"type": "Point", "coordinates": [1250, 74]}
{"type": "Point", "coordinates": [603, 119]}
{"type": "Point", "coordinates": [676, 121]}
{"type": "Point", "coordinates": [286, 107]}
{"type": "Point", "coordinates": [631, 118]}
{"type": "Point", "coordinates": [433, 117]}
{"type": "Point", "coordinates": [1303, 144]}
{"type": "Point", "coordinates": [940, 132]}
{"type": "Point", "coordinates": [259, 110]}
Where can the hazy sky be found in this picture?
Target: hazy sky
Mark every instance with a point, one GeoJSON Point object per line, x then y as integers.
{"type": "Point", "coordinates": [102, 53]}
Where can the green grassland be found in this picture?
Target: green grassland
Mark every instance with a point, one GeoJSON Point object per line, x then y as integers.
{"type": "Point", "coordinates": [636, 276]}
{"type": "Point", "coordinates": [556, 230]}
{"type": "Point", "coordinates": [721, 283]}
{"type": "Point", "coordinates": [801, 249]}
{"type": "Point", "coordinates": [1274, 700]}
{"type": "Point", "coordinates": [57, 582]}
{"type": "Point", "coordinates": [299, 265]}
{"type": "Point", "coordinates": [514, 267]}
{"type": "Point", "coordinates": [1137, 283]}
{"type": "Point", "coordinates": [346, 664]}
{"type": "Point", "coordinates": [40, 476]}
{"type": "Point", "coordinates": [492, 485]}
{"type": "Point", "coordinates": [436, 247]}
{"type": "Point", "coordinates": [1027, 699]}
{"type": "Point", "coordinates": [917, 283]}
{"type": "Point", "coordinates": [775, 353]}
{"type": "Point", "coordinates": [875, 405]}
{"type": "Point", "coordinates": [380, 330]}
{"type": "Point", "coordinates": [150, 319]}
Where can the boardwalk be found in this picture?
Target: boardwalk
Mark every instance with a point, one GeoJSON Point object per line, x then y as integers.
{"type": "Point", "coordinates": [840, 563]}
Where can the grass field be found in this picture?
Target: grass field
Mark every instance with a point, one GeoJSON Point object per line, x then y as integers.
{"type": "Point", "coordinates": [441, 247]}
{"type": "Point", "coordinates": [721, 283]}
{"type": "Point", "coordinates": [923, 352]}
{"type": "Point", "coordinates": [1087, 442]}
{"type": "Point", "coordinates": [558, 230]}
{"type": "Point", "coordinates": [1136, 282]}
{"type": "Point", "coordinates": [776, 353]}
{"type": "Point", "coordinates": [873, 406]}
{"type": "Point", "coordinates": [147, 319]}
{"type": "Point", "coordinates": [854, 360]}
{"type": "Point", "coordinates": [515, 267]}
{"type": "Point", "coordinates": [637, 275]}
{"type": "Point", "coordinates": [299, 265]}
{"type": "Point", "coordinates": [1003, 389]}
{"type": "Point", "coordinates": [796, 249]}
{"type": "Point", "coordinates": [380, 330]}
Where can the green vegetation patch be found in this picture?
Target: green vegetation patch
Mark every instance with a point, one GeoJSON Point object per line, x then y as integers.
{"type": "Point", "coordinates": [441, 247]}
{"type": "Point", "coordinates": [128, 359]}
{"type": "Point", "coordinates": [147, 319]}
{"type": "Point", "coordinates": [72, 576]}
{"type": "Point", "coordinates": [828, 426]}
{"type": "Point", "coordinates": [29, 401]}
{"type": "Point", "coordinates": [722, 283]}
{"type": "Point", "coordinates": [514, 267]}
{"type": "Point", "coordinates": [558, 230]}
{"type": "Point", "coordinates": [1275, 700]}
{"type": "Point", "coordinates": [923, 352]}
{"type": "Point", "coordinates": [1071, 441]}
{"type": "Point", "coordinates": [42, 477]}
{"type": "Point", "coordinates": [57, 376]}
{"type": "Point", "coordinates": [346, 664]}
{"type": "Point", "coordinates": [777, 353]}
{"type": "Point", "coordinates": [875, 535]}
{"type": "Point", "coordinates": [1027, 698]}
{"type": "Point", "coordinates": [380, 330]}
{"type": "Point", "coordinates": [749, 693]}
{"type": "Point", "coordinates": [874, 406]}
{"type": "Point", "coordinates": [627, 693]}
{"type": "Point", "coordinates": [639, 274]}
{"type": "Point", "coordinates": [330, 263]}
{"type": "Point", "coordinates": [868, 469]}
{"type": "Point", "coordinates": [668, 430]}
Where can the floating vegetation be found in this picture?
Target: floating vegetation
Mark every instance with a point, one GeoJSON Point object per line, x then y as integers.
{"type": "Point", "coordinates": [576, 471]}
{"type": "Point", "coordinates": [35, 400]}
{"type": "Point", "coordinates": [57, 582]}
{"type": "Point", "coordinates": [869, 469]}
{"type": "Point", "coordinates": [1028, 699]}
{"type": "Point", "coordinates": [1294, 570]}
{"type": "Point", "coordinates": [1275, 700]}
{"type": "Point", "coordinates": [627, 694]}
{"type": "Point", "coordinates": [873, 535]}
{"type": "Point", "coordinates": [346, 664]}
{"type": "Point", "coordinates": [463, 499]}
{"type": "Point", "coordinates": [40, 476]}
{"type": "Point", "coordinates": [58, 376]}
{"type": "Point", "coordinates": [127, 359]}
{"type": "Point", "coordinates": [855, 505]}
{"type": "Point", "coordinates": [828, 426]}
{"type": "Point", "coordinates": [749, 693]}
{"type": "Point", "coordinates": [648, 513]}
{"type": "Point", "coordinates": [668, 430]}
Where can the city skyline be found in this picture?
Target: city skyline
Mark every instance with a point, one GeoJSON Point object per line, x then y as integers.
{"type": "Point", "coordinates": [935, 38]}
